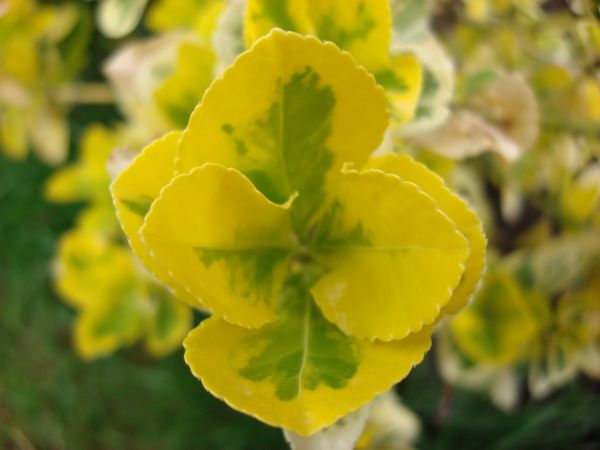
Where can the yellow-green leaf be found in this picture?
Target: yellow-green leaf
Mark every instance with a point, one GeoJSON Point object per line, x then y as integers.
{"type": "Point", "coordinates": [392, 258]}
{"type": "Point", "coordinates": [88, 265]}
{"type": "Point", "coordinates": [402, 81]}
{"type": "Point", "coordinates": [87, 178]}
{"type": "Point", "coordinates": [114, 321]}
{"type": "Point", "coordinates": [263, 15]}
{"type": "Point", "coordinates": [361, 27]}
{"type": "Point", "coordinates": [455, 208]}
{"type": "Point", "coordinates": [437, 83]}
{"type": "Point", "coordinates": [287, 114]}
{"type": "Point", "coordinates": [134, 191]}
{"type": "Point", "coordinates": [300, 372]}
{"type": "Point", "coordinates": [501, 323]}
{"type": "Point", "coordinates": [223, 241]}
{"type": "Point", "coordinates": [198, 15]}
{"type": "Point", "coordinates": [170, 323]}
{"type": "Point", "coordinates": [179, 94]}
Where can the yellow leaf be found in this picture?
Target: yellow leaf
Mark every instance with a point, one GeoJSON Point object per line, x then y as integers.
{"type": "Point", "coordinates": [87, 178]}
{"type": "Point", "coordinates": [300, 373]}
{"type": "Point", "coordinates": [13, 133]}
{"type": "Point", "coordinates": [361, 27]}
{"type": "Point", "coordinates": [170, 323]}
{"type": "Point", "coordinates": [88, 266]}
{"type": "Point", "coordinates": [456, 209]}
{"type": "Point", "coordinates": [134, 191]}
{"type": "Point", "coordinates": [199, 15]}
{"type": "Point", "coordinates": [392, 258]}
{"type": "Point", "coordinates": [114, 321]}
{"type": "Point", "coordinates": [223, 241]}
{"type": "Point", "coordinates": [262, 16]}
{"type": "Point", "coordinates": [501, 324]}
{"type": "Point", "coordinates": [285, 117]}
{"type": "Point", "coordinates": [437, 82]}
{"type": "Point", "coordinates": [402, 83]}
{"type": "Point", "coordinates": [179, 93]}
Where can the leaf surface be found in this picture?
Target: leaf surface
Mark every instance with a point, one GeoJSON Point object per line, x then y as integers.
{"type": "Point", "coordinates": [361, 27]}
{"type": "Point", "coordinates": [500, 325]}
{"type": "Point", "coordinates": [285, 117]}
{"type": "Point", "coordinates": [223, 241]}
{"type": "Point", "coordinates": [402, 81]}
{"type": "Point", "coordinates": [170, 322]}
{"type": "Point", "coordinates": [263, 15]}
{"type": "Point", "coordinates": [134, 191]}
{"type": "Point", "coordinates": [455, 208]}
{"type": "Point", "coordinates": [87, 178]}
{"type": "Point", "coordinates": [301, 372]}
{"type": "Point", "coordinates": [392, 258]}
{"type": "Point", "coordinates": [179, 93]}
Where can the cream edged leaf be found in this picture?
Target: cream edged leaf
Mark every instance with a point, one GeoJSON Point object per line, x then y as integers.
{"type": "Point", "coordinates": [301, 372]}
{"type": "Point", "coordinates": [500, 325]}
{"type": "Point", "coordinates": [361, 27]}
{"type": "Point", "coordinates": [181, 91]}
{"type": "Point", "coordinates": [402, 81]}
{"type": "Point", "coordinates": [262, 16]}
{"type": "Point", "coordinates": [455, 208]}
{"type": "Point", "coordinates": [170, 322]}
{"type": "Point", "coordinates": [134, 191]}
{"type": "Point", "coordinates": [223, 241]}
{"type": "Point", "coordinates": [286, 118]}
{"type": "Point", "coordinates": [392, 257]}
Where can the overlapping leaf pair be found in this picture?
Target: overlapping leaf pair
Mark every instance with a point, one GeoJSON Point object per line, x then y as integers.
{"type": "Point", "coordinates": [361, 27]}
{"type": "Point", "coordinates": [323, 268]}
{"type": "Point", "coordinates": [117, 301]}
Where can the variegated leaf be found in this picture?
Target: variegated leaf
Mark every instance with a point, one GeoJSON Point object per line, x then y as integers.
{"type": "Point", "coordinates": [263, 15]}
{"type": "Point", "coordinates": [223, 241]}
{"type": "Point", "coordinates": [134, 191]}
{"type": "Point", "coordinates": [284, 117]}
{"type": "Point", "coordinates": [179, 93]}
{"type": "Point", "coordinates": [361, 27]}
{"type": "Point", "coordinates": [170, 321]}
{"type": "Point", "coordinates": [456, 209]}
{"type": "Point", "coordinates": [501, 324]}
{"type": "Point", "coordinates": [87, 178]}
{"type": "Point", "coordinates": [402, 81]}
{"type": "Point", "coordinates": [300, 372]}
{"type": "Point", "coordinates": [392, 258]}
